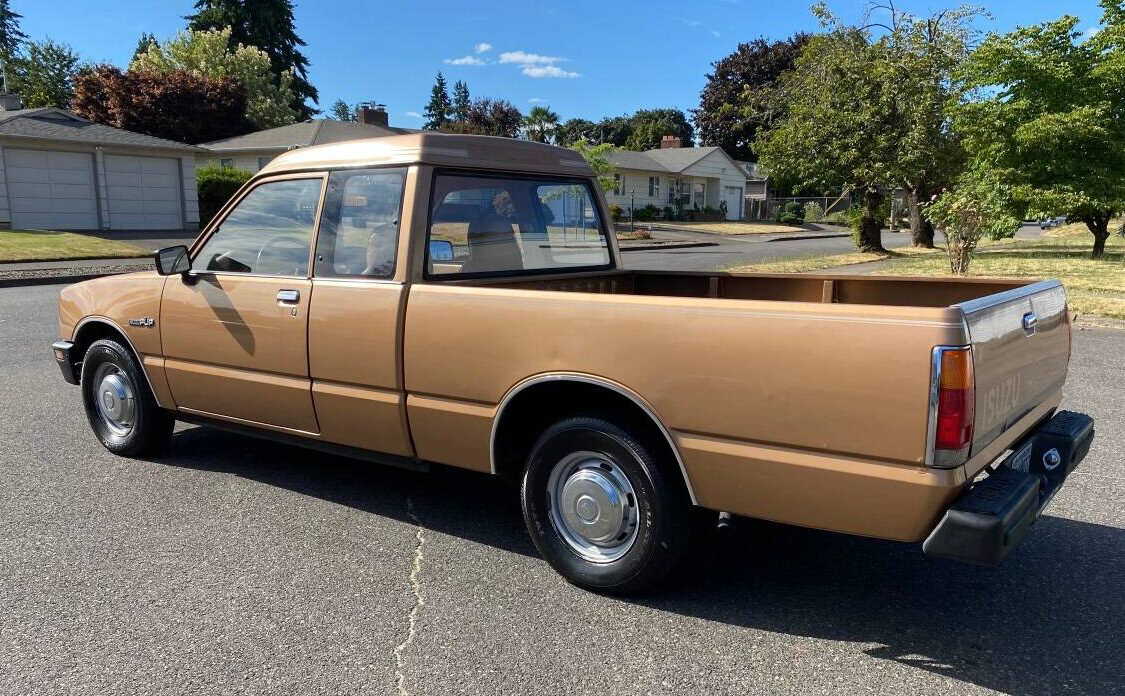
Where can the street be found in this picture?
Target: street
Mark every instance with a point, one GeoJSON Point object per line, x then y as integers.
{"type": "Point", "coordinates": [233, 565]}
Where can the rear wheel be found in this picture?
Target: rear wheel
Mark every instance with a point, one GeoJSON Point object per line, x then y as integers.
{"type": "Point", "coordinates": [119, 405]}
{"type": "Point", "coordinates": [605, 508]}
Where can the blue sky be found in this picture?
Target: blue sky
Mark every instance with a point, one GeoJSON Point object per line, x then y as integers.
{"type": "Point", "coordinates": [584, 59]}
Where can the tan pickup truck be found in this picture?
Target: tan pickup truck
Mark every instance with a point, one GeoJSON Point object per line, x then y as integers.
{"type": "Point", "coordinates": [461, 300]}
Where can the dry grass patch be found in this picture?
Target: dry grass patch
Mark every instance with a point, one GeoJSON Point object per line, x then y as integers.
{"type": "Point", "coordinates": [809, 264]}
{"type": "Point", "coordinates": [48, 245]}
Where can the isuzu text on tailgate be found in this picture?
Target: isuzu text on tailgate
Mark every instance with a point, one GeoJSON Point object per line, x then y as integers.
{"type": "Point", "coordinates": [459, 300]}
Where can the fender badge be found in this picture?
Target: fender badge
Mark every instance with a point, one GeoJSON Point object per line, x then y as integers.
{"type": "Point", "coordinates": [144, 322]}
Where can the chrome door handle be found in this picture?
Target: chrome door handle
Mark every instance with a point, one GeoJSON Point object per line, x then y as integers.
{"type": "Point", "coordinates": [288, 296]}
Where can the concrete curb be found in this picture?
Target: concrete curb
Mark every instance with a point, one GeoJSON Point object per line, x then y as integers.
{"type": "Point", "coordinates": [673, 245]}
{"type": "Point", "coordinates": [53, 280]}
{"type": "Point", "coordinates": [799, 237]}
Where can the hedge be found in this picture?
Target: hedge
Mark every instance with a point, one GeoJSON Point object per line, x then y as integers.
{"type": "Point", "coordinates": [215, 186]}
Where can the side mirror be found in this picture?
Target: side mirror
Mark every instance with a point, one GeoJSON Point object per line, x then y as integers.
{"type": "Point", "coordinates": [173, 260]}
{"type": "Point", "coordinates": [441, 250]}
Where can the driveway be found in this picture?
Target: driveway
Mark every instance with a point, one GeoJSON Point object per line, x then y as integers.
{"type": "Point", "coordinates": [238, 566]}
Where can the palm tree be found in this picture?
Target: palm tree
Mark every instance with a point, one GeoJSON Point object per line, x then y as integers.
{"type": "Point", "coordinates": [540, 124]}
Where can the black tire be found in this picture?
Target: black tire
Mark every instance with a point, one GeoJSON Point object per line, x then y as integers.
{"type": "Point", "coordinates": [664, 511]}
{"type": "Point", "coordinates": [150, 427]}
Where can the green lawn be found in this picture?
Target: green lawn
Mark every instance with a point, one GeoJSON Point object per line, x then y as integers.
{"type": "Point", "coordinates": [1094, 286]}
{"type": "Point", "coordinates": [49, 245]}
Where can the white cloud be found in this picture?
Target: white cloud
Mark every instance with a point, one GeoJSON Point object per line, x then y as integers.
{"type": "Point", "coordinates": [536, 100]}
{"type": "Point", "coordinates": [482, 47]}
{"type": "Point", "coordinates": [548, 71]}
{"type": "Point", "coordinates": [1090, 33]}
{"type": "Point", "coordinates": [413, 114]}
{"type": "Point", "coordinates": [522, 58]}
{"type": "Point", "coordinates": [464, 60]}
{"type": "Point", "coordinates": [715, 34]}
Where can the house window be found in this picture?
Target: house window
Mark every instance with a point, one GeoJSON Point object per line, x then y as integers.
{"type": "Point", "coordinates": [227, 162]}
{"type": "Point", "coordinates": [699, 199]}
{"type": "Point", "coordinates": [672, 184]}
{"type": "Point", "coordinates": [618, 184]}
{"type": "Point", "coordinates": [654, 187]}
{"type": "Point", "coordinates": [263, 161]}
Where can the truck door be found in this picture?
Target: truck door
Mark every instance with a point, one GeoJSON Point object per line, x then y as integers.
{"type": "Point", "coordinates": [357, 298]}
{"type": "Point", "coordinates": [234, 331]}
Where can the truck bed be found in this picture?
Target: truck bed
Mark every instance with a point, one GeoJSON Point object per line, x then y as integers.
{"type": "Point", "coordinates": [841, 289]}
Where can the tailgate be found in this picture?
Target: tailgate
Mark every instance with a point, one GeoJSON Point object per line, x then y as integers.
{"type": "Point", "coordinates": [1021, 346]}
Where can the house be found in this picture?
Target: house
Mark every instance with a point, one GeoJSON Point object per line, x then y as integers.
{"type": "Point", "coordinates": [697, 177]}
{"type": "Point", "coordinates": [254, 150]}
{"type": "Point", "coordinates": [60, 171]}
{"type": "Point", "coordinates": [757, 183]}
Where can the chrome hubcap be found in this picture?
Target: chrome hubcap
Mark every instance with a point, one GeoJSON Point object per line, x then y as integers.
{"type": "Point", "coordinates": [593, 506]}
{"type": "Point", "coordinates": [115, 399]}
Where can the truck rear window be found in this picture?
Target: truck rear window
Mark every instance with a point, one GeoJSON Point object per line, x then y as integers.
{"type": "Point", "coordinates": [503, 225]}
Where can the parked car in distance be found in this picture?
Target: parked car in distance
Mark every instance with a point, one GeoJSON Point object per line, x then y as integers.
{"type": "Point", "coordinates": [460, 300]}
{"type": "Point", "coordinates": [1048, 223]}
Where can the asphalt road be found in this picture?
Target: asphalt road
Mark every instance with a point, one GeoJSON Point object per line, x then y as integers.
{"type": "Point", "coordinates": [235, 566]}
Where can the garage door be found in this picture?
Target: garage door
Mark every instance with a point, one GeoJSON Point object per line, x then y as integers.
{"type": "Point", "coordinates": [51, 190]}
{"type": "Point", "coordinates": [144, 192]}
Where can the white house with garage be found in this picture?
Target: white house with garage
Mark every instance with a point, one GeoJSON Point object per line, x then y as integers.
{"type": "Point", "coordinates": [698, 177]}
{"type": "Point", "coordinates": [59, 171]}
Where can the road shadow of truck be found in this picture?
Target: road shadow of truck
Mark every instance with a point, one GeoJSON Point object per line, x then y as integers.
{"type": "Point", "coordinates": [1051, 619]}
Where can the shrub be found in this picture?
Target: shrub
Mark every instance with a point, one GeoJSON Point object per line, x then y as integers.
{"type": "Point", "coordinates": [216, 185]}
{"type": "Point", "coordinates": [616, 212]}
{"type": "Point", "coordinates": [792, 213]}
{"type": "Point", "coordinates": [646, 213]}
{"type": "Point", "coordinates": [814, 212]}
{"type": "Point", "coordinates": [670, 213]}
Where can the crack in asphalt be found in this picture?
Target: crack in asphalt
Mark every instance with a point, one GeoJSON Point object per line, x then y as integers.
{"type": "Point", "coordinates": [419, 601]}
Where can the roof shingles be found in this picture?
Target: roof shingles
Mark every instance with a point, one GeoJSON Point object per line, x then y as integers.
{"type": "Point", "coordinates": [304, 134]}
{"type": "Point", "coordinates": [56, 124]}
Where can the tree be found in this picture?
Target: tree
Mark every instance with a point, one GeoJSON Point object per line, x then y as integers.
{"type": "Point", "coordinates": [649, 126]}
{"type": "Point", "coordinates": [574, 129]}
{"type": "Point", "coordinates": [739, 98]}
{"type": "Point", "coordinates": [1046, 114]}
{"type": "Point", "coordinates": [596, 157]}
{"type": "Point", "coordinates": [44, 74]}
{"type": "Point", "coordinates": [489, 117]}
{"type": "Point", "coordinates": [540, 124]}
{"type": "Point", "coordinates": [439, 110]}
{"type": "Point", "coordinates": [341, 111]}
{"type": "Point", "coordinates": [267, 25]}
{"type": "Point", "coordinates": [11, 38]}
{"type": "Point", "coordinates": [461, 101]}
{"type": "Point", "coordinates": [177, 105]}
{"type": "Point", "coordinates": [143, 44]}
{"type": "Point", "coordinates": [979, 205]}
{"type": "Point", "coordinates": [206, 53]}
{"type": "Point", "coordinates": [838, 131]}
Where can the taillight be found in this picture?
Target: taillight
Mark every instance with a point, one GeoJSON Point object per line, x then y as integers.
{"type": "Point", "coordinates": [955, 406]}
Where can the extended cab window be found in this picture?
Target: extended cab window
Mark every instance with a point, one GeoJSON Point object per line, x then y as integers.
{"type": "Point", "coordinates": [358, 235]}
{"type": "Point", "coordinates": [268, 232]}
{"type": "Point", "coordinates": [497, 225]}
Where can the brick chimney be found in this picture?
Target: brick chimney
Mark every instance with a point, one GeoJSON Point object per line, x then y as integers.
{"type": "Point", "coordinates": [372, 115]}
{"type": "Point", "coordinates": [668, 141]}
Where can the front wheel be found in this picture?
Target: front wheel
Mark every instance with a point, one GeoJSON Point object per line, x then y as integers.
{"type": "Point", "coordinates": [604, 508]}
{"type": "Point", "coordinates": [119, 405]}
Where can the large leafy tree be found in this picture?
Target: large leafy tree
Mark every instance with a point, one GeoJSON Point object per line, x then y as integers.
{"type": "Point", "coordinates": [838, 132]}
{"type": "Point", "coordinates": [143, 43]}
{"type": "Point", "coordinates": [439, 110]}
{"type": "Point", "coordinates": [540, 124]}
{"type": "Point", "coordinates": [1048, 114]}
{"type": "Point", "coordinates": [574, 129]}
{"type": "Point", "coordinates": [650, 125]}
{"type": "Point", "coordinates": [489, 117]}
{"type": "Point", "coordinates": [177, 105]}
{"type": "Point", "coordinates": [11, 38]}
{"type": "Point", "coordinates": [341, 111]}
{"type": "Point", "coordinates": [267, 25]}
{"type": "Point", "coordinates": [206, 53]}
{"type": "Point", "coordinates": [44, 74]}
{"type": "Point", "coordinates": [740, 97]}
{"type": "Point", "coordinates": [461, 101]}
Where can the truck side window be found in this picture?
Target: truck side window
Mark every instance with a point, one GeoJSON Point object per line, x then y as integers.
{"type": "Point", "coordinates": [503, 225]}
{"type": "Point", "coordinates": [358, 235]}
{"type": "Point", "coordinates": [268, 233]}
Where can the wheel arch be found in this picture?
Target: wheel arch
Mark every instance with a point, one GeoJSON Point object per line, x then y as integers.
{"type": "Point", "coordinates": [94, 328]}
{"type": "Point", "coordinates": [517, 425]}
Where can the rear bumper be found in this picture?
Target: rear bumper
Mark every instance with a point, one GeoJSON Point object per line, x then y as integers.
{"type": "Point", "coordinates": [991, 517]}
{"type": "Point", "coordinates": [62, 351]}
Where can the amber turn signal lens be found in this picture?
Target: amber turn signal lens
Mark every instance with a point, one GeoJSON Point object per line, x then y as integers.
{"type": "Point", "coordinates": [956, 407]}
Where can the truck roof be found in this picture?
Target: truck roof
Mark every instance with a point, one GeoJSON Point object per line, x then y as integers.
{"type": "Point", "coordinates": [445, 149]}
